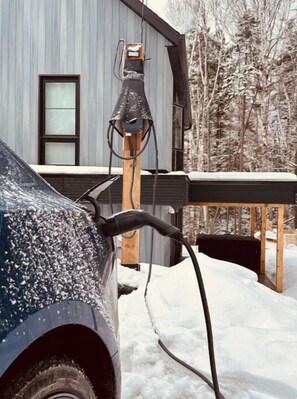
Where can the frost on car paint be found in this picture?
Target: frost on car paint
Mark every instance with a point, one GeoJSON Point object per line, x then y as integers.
{"type": "Point", "coordinates": [50, 250]}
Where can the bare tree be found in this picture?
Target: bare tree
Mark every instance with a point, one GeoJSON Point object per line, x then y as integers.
{"type": "Point", "coordinates": [205, 51]}
{"type": "Point", "coordinates": [272, 17]}
{"type": "Point", "coordinates": [244, 102]}
{"type": "Point", "coordinates": [206, 44]}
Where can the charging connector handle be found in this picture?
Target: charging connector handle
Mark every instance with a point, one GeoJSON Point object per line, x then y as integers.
{"type": "Point", "coordinates": [133, 219]}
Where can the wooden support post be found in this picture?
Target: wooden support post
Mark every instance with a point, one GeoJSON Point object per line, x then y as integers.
{"type": "Point", "coordinates": [252, 221]}
{"type": "Point", "coordinates": [280, 249]}
{"type": "Point", "coordinates": [130, 242]}
{"type": "Point", "coordinates": [263, 238]}
{"type": "Point", "coordinates": [280, 236]}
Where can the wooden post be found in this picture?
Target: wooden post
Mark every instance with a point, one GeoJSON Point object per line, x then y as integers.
{"type": "Point", "coordinates": [252, 221]}
{"type": "Point", "coordinates": [263, 238]}
{"type": "Point", "coordinates": [280, 249]}
{"type": "Point", "coordinates": [130, 241]}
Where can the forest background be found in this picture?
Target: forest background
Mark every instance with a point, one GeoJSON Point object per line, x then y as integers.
{"type": "Point", "coordinates": [242, 59]}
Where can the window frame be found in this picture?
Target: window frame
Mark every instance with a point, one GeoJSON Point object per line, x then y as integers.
{"type": "Point", "coordinates": [44, 138]}
{"type": "Point", "coordinates": [178, 153]}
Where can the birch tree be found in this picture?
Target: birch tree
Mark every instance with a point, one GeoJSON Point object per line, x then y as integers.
{"type": "Point", "coordinates": [205, 51]}
{"type": "Point", "coordinates": [272, 17]}
{"type": "Point", "coordinates": [242, 69]}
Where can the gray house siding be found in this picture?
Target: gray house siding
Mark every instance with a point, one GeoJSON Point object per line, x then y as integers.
{"type": "Point", "coordinates": [77, 37]}
{"type": "Point", "coordinates": [161, 245]}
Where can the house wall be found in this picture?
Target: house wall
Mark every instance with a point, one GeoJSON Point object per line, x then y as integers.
{"type": "Point", "coordinates": [77, 37]}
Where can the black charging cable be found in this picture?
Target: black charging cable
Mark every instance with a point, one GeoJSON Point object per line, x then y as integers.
{"type": "Point", "coordinates": [110, 132]}
{"type": "Point", "coordinates": [131, 220]}
{"type": "Point", "coordinates": [177, 236]}
{"type": "Point", "coordinates": [134, 219]}
{"type": "Point", "coordinates": [215, 384]}
{"type": "Point", "coordinates": [118, 74]}
{"type": "Point", "coordinates": [154, 208]}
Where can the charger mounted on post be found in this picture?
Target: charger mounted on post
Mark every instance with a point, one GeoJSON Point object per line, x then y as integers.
{"type": "Point", "coordinates": [132, 119]}
{"type": "Point", "coordinates": [132, 112]}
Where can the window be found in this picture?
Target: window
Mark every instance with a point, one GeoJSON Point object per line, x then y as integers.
{"type": "Point", "coordinates": [59, 120]}
{"type": "Point", "coordinates": [177, 137]}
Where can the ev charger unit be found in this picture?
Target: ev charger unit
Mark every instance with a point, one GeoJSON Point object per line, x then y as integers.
{"type": "Point", "coordinates": [132, 112]}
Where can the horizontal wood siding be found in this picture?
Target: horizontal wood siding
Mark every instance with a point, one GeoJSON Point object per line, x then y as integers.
{"type": "Point", "coordinates": [170, 190]}
{"type": "Point", "coordinates": [77, 37]}
{"type": "Point", "coordinates": [246, 192]}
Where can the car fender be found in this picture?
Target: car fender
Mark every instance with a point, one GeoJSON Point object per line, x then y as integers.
{"type": "Point", "coordinates": [49, 318]}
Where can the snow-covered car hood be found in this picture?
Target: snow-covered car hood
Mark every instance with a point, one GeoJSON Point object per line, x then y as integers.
{"type": "Point", "coordinates": [50, 249]}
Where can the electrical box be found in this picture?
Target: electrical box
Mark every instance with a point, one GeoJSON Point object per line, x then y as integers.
{"type": "Point", "coordinates": [134, 126]}
{"type": "Point", "coordinates": [132, 113]}
{"type": "Point", "coordinates": [134, 51]}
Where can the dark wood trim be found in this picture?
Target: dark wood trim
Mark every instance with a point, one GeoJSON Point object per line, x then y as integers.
{"type": "Point", "coordinates": [171, 189]}
{"type": "Point", "coordinates": [43, 138]}
{"type": "Point", "coordinates": [178, 153]}
{"type": "Point", "coordinates": [179, 66]}
{"type": "Point", "coordinates": [40, 118]}
{"type": "Point", "coordinates": [179, 191]}
{"type": "Point", "coordinates": [154, 20]}
{"type": "Point", "coordinates": [253, 192]}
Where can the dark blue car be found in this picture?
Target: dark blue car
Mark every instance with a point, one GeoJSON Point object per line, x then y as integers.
{"type": "Point", "coordinates": [58, 293]}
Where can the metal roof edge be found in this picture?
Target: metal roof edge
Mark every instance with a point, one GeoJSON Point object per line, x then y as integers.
{"type": "Point", "coordinates": [154, 20]}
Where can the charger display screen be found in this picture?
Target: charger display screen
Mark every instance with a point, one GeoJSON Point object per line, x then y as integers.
{"type": "Point", "coordinates": [133, 53]}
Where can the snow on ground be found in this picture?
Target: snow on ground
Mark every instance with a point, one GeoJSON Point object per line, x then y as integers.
{"type": "Point", "coordinates": [248, 176]}
{"type": "Point", "coordinates": [254, 331]}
